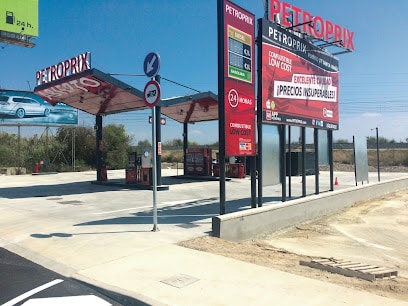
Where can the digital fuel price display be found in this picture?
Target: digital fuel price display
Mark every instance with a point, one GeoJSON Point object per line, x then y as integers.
{"type": "Point", "coordinates": [239, 55]}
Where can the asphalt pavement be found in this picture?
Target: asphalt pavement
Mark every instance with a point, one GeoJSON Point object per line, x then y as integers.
{"type": "Point", "coordinates": [102, 235]}
{"type": "Point", "coordinates": [26, 283]}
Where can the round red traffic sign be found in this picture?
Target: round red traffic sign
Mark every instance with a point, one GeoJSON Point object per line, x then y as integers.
{"type": "Point", "coordinates": [151, 93]}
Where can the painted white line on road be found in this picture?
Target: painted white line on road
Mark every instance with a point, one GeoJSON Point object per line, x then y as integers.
{"type": "Point", "coordinates": [125, 209]}
{"type": "Point", "coordinates": [144, 207]}
{"type": "Point", "coordinates": [32, 292]}
{"type": "Point", "coordinates": [83, 300]}
{"type": "Point", "coordinates": [119, 210]}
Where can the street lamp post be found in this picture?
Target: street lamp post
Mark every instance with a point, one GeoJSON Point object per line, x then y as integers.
{"type": "Point", "coordinates": [378, 153]}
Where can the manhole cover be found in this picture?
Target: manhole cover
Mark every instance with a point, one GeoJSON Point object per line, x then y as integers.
{"type": "Point", "coordinates": [180, 281]}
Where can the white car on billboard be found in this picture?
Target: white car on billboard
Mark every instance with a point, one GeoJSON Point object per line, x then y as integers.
{"type": "Point", "coordinates": [20, 107]}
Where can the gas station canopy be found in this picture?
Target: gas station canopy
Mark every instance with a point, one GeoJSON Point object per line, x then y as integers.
{"type": "Point", "coordinates": [191, 108]}
{"type": "Point", "coordinates": [98, 93]}
{"type": "Point", "coordinates": [94, 92]}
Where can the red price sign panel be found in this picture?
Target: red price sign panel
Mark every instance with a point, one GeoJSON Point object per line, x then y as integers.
{"type": "Point", "coordinates": [239, 84]}
{"type": "Point", "coordinates": [239, 119]}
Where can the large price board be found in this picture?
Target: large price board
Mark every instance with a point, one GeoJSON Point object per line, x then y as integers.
{"type": "Point", "coordinates": [239, 55]}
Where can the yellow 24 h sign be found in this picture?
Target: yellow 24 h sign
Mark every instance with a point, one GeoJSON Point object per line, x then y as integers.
{"type": "Point", "coordinates": [19, 16]}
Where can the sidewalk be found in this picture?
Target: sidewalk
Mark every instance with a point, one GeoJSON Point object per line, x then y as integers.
{"type": "Point", "coordinates": [102, 235]}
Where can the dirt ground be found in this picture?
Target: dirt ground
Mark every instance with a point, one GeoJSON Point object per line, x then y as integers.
{"type": "Point", "coordinates": [350, 168]}
{"type": "Point", "coordinates": [261, 251]}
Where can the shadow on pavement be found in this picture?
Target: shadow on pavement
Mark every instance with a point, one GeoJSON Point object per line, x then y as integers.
{"type": "Point", "coordinates": [53, 190]}
{"type": "Point", "coordinates": [85, 187]}
{"type": "Point", "coordinates": [186, 213]}
{"type": "Point", "coordinates": [68, 235]}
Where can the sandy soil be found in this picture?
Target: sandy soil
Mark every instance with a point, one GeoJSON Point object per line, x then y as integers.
{"type": "Point", "coordinates": [261, 251]}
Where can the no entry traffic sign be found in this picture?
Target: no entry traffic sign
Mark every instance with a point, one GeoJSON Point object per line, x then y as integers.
{"type": "Point", "coordinates": [152, 93]}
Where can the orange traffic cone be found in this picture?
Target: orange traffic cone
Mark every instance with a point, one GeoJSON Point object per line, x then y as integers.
{"type": "Point", "coordinates": [336, 182]}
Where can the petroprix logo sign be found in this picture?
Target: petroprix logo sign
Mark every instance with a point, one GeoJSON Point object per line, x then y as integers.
{"type": "Point", "coordinates": [306, 23]}
{"type": "Point", "coordinates": [65, 68]}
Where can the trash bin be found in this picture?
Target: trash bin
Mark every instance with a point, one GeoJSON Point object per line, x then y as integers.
{"type": "Point", "coordinates": [241, 170]}
{"type": "Point", "coordinates": [36, 168]}
{"type": "Point", "coordinates": [146, 176]}
{"type": "Point", "coordinates": [131, 175]}
{"type": "Point", "coordinates": [233, 170]}
{"type": "Point", "coordinates": [237, 170]}
{"type": "Point", "coordinates": [216, 170]}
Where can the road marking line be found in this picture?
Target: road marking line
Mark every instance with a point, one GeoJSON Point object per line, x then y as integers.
{"type": "Point", "coordinates": [32, 292]}
{"type": "Point", "coordinates": [180, 202]}
{"type": "Point", "coordinates": [119, 210]}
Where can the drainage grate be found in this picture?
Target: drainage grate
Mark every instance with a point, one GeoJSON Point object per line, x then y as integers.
{"type": "Point", "coordinates": [180, 281]}
{"type": "Point", "coordinates": [71, 202]}
{"type": "Point", "coordinates": [351, 268]}
{"type": "Point", "coordinates": [54, 199]}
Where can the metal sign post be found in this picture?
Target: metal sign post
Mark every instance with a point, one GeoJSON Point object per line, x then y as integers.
{"type": "Point", "coordinates": [154, 174]}
{"type": "Point", "coordinates": [152, 95]}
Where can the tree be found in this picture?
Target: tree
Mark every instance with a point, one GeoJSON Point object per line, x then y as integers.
{"type": "Point", "coordinates": [174, 143]}
{"type": "Point", "coordinates": [8, 147]}
{"type": "Point", "coordinates": [116, 144]}
{"type": "Point", "coordinates": [140, 145]}
{"type": "Point", "coordinates": [372, 140]}
{"type": "Point", "coordinates": [84, 145]}
{"type": "Point", "coordinates": [144, 143]}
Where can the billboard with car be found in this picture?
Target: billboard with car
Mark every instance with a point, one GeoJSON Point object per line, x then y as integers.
{"type": "Point", "coordinates": [26, 108]}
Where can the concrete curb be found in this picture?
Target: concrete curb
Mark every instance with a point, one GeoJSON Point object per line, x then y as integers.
{"type": "Point", "coordinates": [247, 224]}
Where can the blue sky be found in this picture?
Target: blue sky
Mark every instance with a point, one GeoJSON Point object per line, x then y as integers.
{"type": "Point", "coordinates": [119, 34]}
